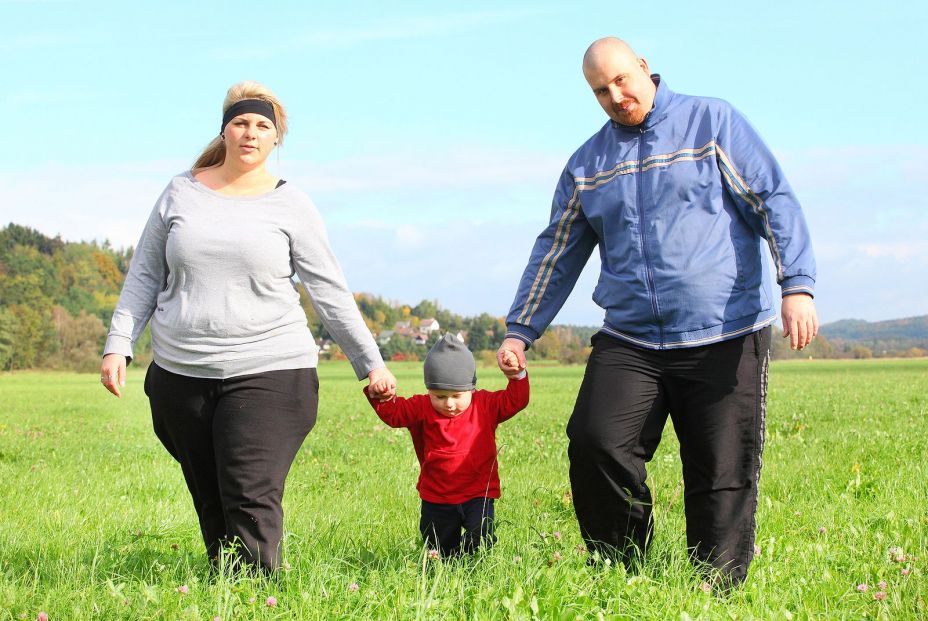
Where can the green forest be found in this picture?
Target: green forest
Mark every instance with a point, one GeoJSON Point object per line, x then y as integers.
{"type": "Point", "coordinates": [57, 297]}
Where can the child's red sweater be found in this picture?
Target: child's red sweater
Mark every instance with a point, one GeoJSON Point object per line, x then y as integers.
{"type": "Point", "coordinates": [457, 454]}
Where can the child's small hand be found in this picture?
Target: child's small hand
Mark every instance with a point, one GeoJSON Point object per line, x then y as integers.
{"type": "Point", "coordinates": [382, 384]}
{"type": "Point", "coordinates": [509, 363]}
{"type": "Point", "coordinates": [388, 393]}
{"type": "Point", "coordinates": [382, 390]}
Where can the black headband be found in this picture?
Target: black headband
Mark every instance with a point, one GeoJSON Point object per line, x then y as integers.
{"type": "Point", "coordinates": [244, 106]}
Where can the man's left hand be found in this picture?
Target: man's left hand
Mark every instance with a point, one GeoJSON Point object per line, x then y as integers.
{"type": "Point", "coordinates": [800, 322]}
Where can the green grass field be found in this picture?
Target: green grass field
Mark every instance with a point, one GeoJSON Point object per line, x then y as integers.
{"type": "Point", "coordinates": [96, 522]}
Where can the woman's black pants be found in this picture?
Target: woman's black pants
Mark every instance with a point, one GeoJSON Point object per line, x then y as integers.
{"type": "Point", "coordinates": [235, 440]}
{"type": "Point", "coordinates": [715, 395]}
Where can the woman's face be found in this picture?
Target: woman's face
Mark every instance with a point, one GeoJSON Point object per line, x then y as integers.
{"type": "Point", "coordinates": [250, 138]}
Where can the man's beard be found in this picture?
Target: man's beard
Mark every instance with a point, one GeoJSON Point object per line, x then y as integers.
{"type": "Point", "coordinates": [629, 117]}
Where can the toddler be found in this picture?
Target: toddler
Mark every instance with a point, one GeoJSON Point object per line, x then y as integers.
{"type": "Point", "coordinates": [453, 429]}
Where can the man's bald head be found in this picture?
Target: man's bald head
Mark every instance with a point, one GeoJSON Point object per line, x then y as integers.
{"type": "Point", "coordinates": [620, 80]}
{"type": "Point", "coordinates": [604, 48]}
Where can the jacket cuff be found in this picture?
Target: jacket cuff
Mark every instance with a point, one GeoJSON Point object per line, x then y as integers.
{"type": "Point", "coordinates": [521, 332]}
{"type": "Point", "coordinates": [797, 284]}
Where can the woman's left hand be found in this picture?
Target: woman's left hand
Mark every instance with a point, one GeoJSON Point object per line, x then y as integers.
{"type": "Point", "coordinates": [382, 384]}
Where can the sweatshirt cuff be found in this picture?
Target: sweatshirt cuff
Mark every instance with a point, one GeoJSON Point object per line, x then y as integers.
{"type": "Point", "coordinates": [367, 361]}
{"type": "Point", "coordinates": [797, 284]}
{"type": "Point", "coordinates": [116, 344]}
{"type": "Point", "coordinates": [521, 332]}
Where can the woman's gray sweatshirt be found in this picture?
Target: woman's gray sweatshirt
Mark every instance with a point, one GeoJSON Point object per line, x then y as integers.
{"type": "Point", "coordinates": [213, 274]}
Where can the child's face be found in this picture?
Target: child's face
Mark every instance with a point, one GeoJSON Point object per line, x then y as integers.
{"type": "Point", "coordinates": [450, 402]}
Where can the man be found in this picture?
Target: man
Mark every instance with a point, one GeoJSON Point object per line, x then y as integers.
{"type": "Point", "coordinates": [684, 201]}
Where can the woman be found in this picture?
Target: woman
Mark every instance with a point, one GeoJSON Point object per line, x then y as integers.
{"type": "Point", "coordinates": [233, 386]}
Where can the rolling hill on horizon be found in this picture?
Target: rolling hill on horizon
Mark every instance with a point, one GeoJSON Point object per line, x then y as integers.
{"type": "Point", "coordinates": [859, 329]}
{"type": "Point", "coordinates": [909, 334]}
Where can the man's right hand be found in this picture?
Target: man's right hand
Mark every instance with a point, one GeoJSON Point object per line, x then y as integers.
{"type": "Point", "coordinates": [517, 347]}
{"type": "Point", "coordinates": [800, 321]}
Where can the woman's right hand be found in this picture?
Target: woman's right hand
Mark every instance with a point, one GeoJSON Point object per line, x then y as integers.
{"type": "Point", "coordinates": [113, 373]}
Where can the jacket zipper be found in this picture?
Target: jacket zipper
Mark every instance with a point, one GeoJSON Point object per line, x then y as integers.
{"type": "Point", "coordinates": [652, 293]}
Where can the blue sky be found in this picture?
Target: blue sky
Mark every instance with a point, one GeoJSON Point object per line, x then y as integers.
{"type": "Point", "coordinates": [431, 135]}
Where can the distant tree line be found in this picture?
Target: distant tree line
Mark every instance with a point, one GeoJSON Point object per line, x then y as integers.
{"type": "Point", "coordinates": [57, 298]}
{"type": "Point", "coordinates": [823, 347]}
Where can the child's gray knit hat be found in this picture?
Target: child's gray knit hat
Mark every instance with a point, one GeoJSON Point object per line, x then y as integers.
{"type": "Point", "coordinates": [449, 365]}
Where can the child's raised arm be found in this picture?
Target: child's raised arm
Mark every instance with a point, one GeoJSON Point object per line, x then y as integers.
{"type": "Point", "coordinates": [508, 402]}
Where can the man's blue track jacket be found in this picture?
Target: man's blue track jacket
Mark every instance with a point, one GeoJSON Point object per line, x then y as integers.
{"type": "Point", "coordinates": [684, 208]}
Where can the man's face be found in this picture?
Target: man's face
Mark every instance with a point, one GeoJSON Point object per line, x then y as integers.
{"type": "Point", "coordinates": [622, 85]}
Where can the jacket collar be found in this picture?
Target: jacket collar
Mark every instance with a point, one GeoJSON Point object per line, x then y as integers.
{"type": "Point", "coordinates": [658, 111]}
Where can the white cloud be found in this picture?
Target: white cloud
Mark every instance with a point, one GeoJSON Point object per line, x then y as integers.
{"type": "Point", "coordinates": [900, 252]}
{"type": "Point", "coordinates": [432, 186]}
{"type": "Point", "coordinates": [85, 202]}
{"type": "Point", "coordinates": [29, 97]}
{"type": "Point", "coordinates": [31, 41]}
{"type": "Point", "coordinates": [857, 196]}
{"type": "Point", "coordinates": [410, 237]}
{"type": "Point", "coordinates": [402, 28]}
{"type": "Point", "coordinates": [446, 168]}
{"type": "Point", "coordinates": [413, 26]}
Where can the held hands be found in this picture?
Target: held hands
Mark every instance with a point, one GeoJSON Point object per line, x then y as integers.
{"type": "Point", "coordinates": [382, 384]}
{"type": "Point", "coordinates": [113, 373]}
{"type": "Point", "coordinates": [800, 322]}
{"type": "Point", "coordinates": [511, 357]}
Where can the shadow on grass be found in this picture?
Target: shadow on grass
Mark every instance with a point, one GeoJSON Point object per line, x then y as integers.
{"type": "Point", "coordinates": [146, 558]}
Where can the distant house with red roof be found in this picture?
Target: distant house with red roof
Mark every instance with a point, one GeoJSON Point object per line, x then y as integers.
{"type": "Point", "coordinates": [403, 328]}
